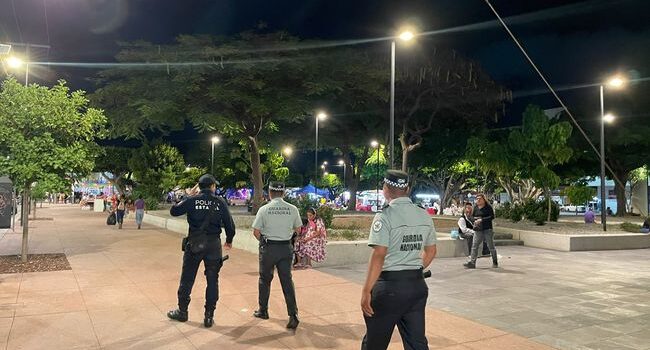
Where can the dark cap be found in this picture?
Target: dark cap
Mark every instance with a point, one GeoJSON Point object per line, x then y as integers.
{"type": "Point", "coordinates": [276, 186]}
{"type": "Point", "coordinates": [208, 179]}
{"type": "Point", "coordinates": [397, 179]}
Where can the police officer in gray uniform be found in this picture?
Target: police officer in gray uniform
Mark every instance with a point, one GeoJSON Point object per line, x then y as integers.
{"type": "Point", "coordinates": [274, 226]}
{"type": "Point", "coordinates": [404, 242]}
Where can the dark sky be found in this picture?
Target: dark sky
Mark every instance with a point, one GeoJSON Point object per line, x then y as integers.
{"type": "Point", "coordinates": [572, 41]}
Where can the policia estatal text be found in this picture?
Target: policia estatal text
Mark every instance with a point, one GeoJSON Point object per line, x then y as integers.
{"type": "Point", "coordinates": [206, 215]}
{"type": "Point", "coordinates": [404, 241]}
{"type": "Point", "coordinates": [274, 226]}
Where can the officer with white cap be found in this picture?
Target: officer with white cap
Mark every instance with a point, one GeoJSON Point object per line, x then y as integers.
{"type": "Point", "coordinates": [274, 226]}
{"type": "Point", "coordinates": [404, 242]}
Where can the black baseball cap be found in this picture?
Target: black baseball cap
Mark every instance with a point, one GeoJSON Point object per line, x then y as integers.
{"type": "Point", "coordinates": [208, 179]}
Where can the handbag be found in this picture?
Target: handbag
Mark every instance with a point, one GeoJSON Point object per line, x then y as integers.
{"type": "Point", "coordinates": [197, 242]}
{"type": "Point", "coordinates": [111, 220]}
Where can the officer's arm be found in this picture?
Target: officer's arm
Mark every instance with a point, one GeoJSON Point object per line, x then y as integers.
{"type": "Point", "coordinates": [428, 255]}
{"type": "Point", "coordinates": [374, 267]}
{"type": "Point", "coordinates": [228, 223]}
{"type": "Point", "coordinates": [180, 208]}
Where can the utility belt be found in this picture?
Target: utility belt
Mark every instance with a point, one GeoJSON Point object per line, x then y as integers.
{"type": "Point", "coordinates": [402, 275]}
{"type": "Point", "coordinates": [265, 241]}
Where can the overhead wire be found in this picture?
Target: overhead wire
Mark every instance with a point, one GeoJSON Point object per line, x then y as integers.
{"type": "Point", "coordinates": [552, 90]}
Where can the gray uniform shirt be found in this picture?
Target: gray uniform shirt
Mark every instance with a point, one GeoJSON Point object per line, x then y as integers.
{"type": "Point", "coordinates": [277, 220]}
{"type": "Point", "coordinates": [405, 229]}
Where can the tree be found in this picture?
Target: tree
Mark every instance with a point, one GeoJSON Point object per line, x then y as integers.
{"type": "Point", "coordinates": [442, 85]}
{"type": "Point", "coordinates": [446, 181]}
{"type": "Point", "coordinates": [156, 169]}
{"type": "Point", "coordinates": [579, 193]}
{"type": "Point", "coordinates": [113, 163]}
{"type": "Point", "coordinates": [45, 133]}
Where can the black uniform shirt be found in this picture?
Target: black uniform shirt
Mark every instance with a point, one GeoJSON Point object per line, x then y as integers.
{"type": "Point", "coordinates": [197, 207]}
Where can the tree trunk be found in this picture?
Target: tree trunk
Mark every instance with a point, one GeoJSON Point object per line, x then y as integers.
{"type": "Point", "coordinates": [25, 221]}
{"type": "Point", "coordinates": [256, 173]}
{"type": "Point", "coordinates": [548, 200]}
{"type": "Point", "coordinates": [621, 202]}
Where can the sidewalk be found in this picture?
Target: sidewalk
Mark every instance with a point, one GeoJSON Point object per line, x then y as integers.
{"type": "Point", "coordinates": [123, 282]}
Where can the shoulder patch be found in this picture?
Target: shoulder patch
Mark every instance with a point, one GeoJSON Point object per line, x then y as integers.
{"type": "Point", "coordinates": [377, 226]}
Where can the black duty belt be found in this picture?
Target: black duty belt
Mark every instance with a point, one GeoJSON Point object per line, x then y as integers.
{"type": "Point", "coordinates": [401, 275]}
{"type": "Point", "coordinates": [268, 241]}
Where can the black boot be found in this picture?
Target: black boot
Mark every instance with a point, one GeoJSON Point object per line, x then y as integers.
{"type": "Point", "coordinates": [208, 320]}
{"type": "Point", "coordinates": [469, 265]}
{"type": "Point", "coordinates": [495, 262]}
{"type": "Point", "coordinates": [293, 322]}
{"type": "Point", "coordinates": [261, 314]}
{"type": "Point", "coordinates": [178, 315]}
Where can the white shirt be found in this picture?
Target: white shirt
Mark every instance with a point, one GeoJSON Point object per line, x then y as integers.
{"type": "Point", "coordinates": [463, 226]}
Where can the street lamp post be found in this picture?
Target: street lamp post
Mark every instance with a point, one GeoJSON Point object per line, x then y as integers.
{"type": "Point", "coordinates": [404, 36]}
{"type": "Point", "coordinates": [375, 145]}
{"type": "Point", "coordinates": [215, 140]}
{"type": "Point", "coordinates": [615, 83]}
{"type": "Point", "coordinates": [345, 166]}
{"type": "Point", "coordinates": [319, 116]}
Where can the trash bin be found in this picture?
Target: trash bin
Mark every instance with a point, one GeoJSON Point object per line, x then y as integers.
{"type": "Point", "coordinates": [6, 202]}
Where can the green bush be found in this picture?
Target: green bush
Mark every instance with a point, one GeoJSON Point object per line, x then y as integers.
{"type": "Point", "coordinates": [630, 227]}
{"type": "Point", "coordinates": [532, 210]}
{"type": "Point", "coordinates": [503, 211]}
{"type": "Point", "coordinates": [151, 203]}
{"type": "Point", "coordinates": [324, 212]}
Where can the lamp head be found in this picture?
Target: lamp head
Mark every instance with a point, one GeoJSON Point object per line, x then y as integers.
{"type": "Point", "coordinates": [341, 162]}
{"type": "Point", "coordinates": [321, 116]}
{"type": "Point", "coordinates": [215, 139]}
{"type": "Point", "coordinates": [374, 144]}
{"type": "Point", "coordinates": [616, 82]}
{"type": "Point", "coordinates": [406, 35]}
{"type": "Point", "coordinates": [14, 62]}
{"type": "Point", "coordinates": [287, 151]}
{"type": "Point", "coordinates": [609, 118]}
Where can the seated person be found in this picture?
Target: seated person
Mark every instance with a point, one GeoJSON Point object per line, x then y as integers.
{"type": "Point", "coordinates": [590, 218]}
{"type": "Point", "coordinates": [466, 229]}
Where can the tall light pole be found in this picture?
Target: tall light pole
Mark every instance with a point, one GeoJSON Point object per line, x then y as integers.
{"type": "Point", "coordinates": [375, 145]}
{"type": "Point", "coordinates": [616, 82]}
{"type": "Point", "coordinates": [405, 35]}
{"type": "Point", "coordinates": [345, 166]}
{"type": "Point", "coordinates": [215, 140]}
{"type": "Point", "coordinates": [320, 116]}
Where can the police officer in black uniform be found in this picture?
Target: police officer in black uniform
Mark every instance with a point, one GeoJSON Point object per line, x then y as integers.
{"type": "Point", "coordinates": [404, 241]}
{"type": "Point", "coordinates": [206, 215]}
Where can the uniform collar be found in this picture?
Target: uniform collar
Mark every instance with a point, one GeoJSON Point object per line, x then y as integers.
{"type": "Point", "coordinates": [207, 190]}
{"type": "Point", "coordinates": [401, 200]}
{"type": "Point", "coordinates": [276, 199]}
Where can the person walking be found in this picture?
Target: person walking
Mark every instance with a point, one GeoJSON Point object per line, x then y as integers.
{"type": "Point", "coordinates": [121, 208]}
{"type": "Point", "coordinates": [206, 215]}
{"type": "Point", "coordinates": [483, 216]}
{"type": "Point", "coordinates": [403, 240]}
{"type": "Point", "coordinates": [139, 211]}
{"type": "Point", "coordinates": [273, 227]}
{"type": "Point", "coordinates": [312, 243]}
{"type": "Point", "coordinates": [466, 229]}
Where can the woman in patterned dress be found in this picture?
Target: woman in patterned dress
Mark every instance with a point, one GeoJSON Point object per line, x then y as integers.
{"type": "Point", "coordinates": [312, 244]}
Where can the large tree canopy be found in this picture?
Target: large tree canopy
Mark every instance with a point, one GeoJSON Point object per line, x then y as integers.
{"type": "Point", "coordinates": [45, 135]}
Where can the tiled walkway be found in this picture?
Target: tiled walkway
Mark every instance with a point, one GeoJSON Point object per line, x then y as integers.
{"type": "Point", "coordinates": [123, 281]}
{"type": "Point", "coordinates": [578, 300]}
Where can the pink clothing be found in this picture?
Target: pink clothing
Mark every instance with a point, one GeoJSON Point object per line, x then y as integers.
{"type": "Point", "coordinates": [313, 240]}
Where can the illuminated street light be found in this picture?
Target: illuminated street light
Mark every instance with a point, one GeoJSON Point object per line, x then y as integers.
{"type": "Point", "coordinates": [215, 140]}
{"type": "Point", "coordinates": [341, 162]}
{"type": "Point", "coordinates": [325, 163]}
{"type": "Point", "coordinates": [616, 82]}
{"type": "Point", "coordinates": [288, 151]}
{"type": "Point", "coordinates": [322, 115]}
{"type": "Point", "coordinates": [405, 35]}
{"type": "Point", "coordinates": [322, 166]}
{"type": "Point", "coordinates": [608, 118]}
{"type": "Point", "coordinates": [319, 116]}
{"type": "Point", "coordinates": [374, 144]}
{"type": "Point", "coordinates": [326, 173]}
{"type": "Point", "coordinates": [14, 62]}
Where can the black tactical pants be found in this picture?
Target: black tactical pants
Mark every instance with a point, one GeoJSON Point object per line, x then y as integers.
{"type": "Point", "coordinates": [211, 259]}
{"type": "Point", "coordinates": [398, 301]}
{"type": "Point", "coordinates": [280, 256]}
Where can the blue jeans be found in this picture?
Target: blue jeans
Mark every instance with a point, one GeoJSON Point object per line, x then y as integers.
{"type": "Point", "coordinates": [139, 215]}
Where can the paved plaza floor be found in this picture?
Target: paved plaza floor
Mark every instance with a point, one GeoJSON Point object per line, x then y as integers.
{"type": "Point", "coordinates": [122, 283]}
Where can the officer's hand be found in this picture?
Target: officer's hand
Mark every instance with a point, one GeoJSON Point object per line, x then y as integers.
{"type": "Point", "coordinates": [365, 305]}
{"type": "Point", "coordinates": [227, 246]}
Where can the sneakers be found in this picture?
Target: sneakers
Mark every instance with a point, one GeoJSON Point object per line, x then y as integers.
{"type": "Point", "coordinates": [261, 314]}
{"type": "Point", "coordinates": [469, 265]}
{"type": "Point", "coordinates": [178, 315]}
{"type": "Point", "coordinates": [293, 322]}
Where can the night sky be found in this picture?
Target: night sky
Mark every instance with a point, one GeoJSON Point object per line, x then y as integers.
{"type": "Point", "coordinates": [573, 42]}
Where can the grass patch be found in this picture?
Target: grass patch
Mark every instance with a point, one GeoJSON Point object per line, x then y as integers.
{"type": "Point", "coordinates": [630, 227]}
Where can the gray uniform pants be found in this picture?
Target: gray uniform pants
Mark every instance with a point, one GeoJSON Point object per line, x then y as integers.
{"type": "Point", "coordinates": [280, 256]}
{"type": "Point", "coordinates": [479, 237]}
